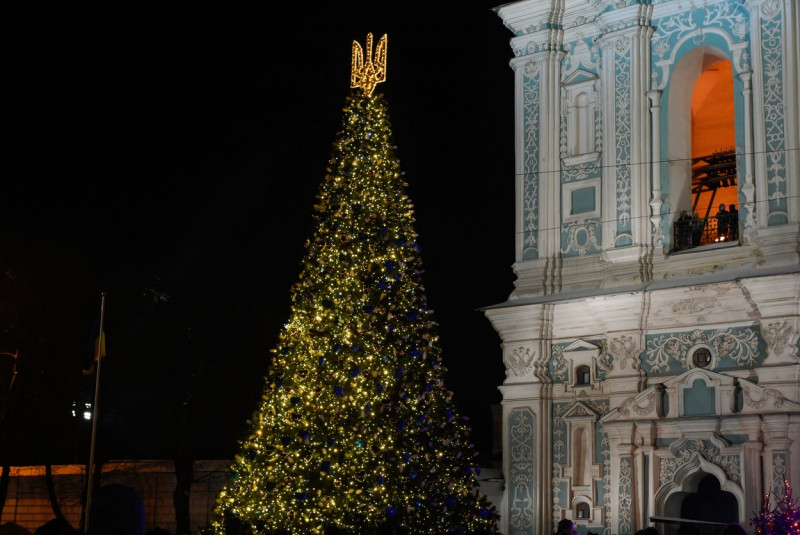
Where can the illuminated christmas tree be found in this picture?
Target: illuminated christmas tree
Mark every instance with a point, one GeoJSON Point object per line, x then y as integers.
{"type": "Point", "coordinates": [356, 430]}
{"type": "Point", "coordinates": [783, 519]}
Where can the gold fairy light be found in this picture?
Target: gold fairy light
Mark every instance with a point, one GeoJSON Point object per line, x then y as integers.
{"type": "Point", "coordinates": [365, 73]}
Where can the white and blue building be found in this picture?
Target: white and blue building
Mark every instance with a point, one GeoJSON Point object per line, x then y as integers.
{"type": "Point", "coordinates": [651, 375]}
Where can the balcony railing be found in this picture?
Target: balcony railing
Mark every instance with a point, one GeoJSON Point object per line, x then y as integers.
{"type": "Point", "coordinates": [696, 232]}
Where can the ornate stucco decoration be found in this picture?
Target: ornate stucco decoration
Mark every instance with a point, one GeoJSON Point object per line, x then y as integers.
{"type": "Point", "coordinates": [739, 344]}
{"type": "Point", "coordinates": [685, 450]}
{"type": "Point", "coordinates": [779, 336]}
{"type": "Point", "coordinates": [763, 399]}
{"type": "Point", "coordinates": [519, 362]}
{"type": "Point", "coordinates": [625, 348]}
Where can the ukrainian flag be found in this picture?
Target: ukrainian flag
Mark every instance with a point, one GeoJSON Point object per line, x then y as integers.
{"type": "Point", "coordinates": [97, 349]}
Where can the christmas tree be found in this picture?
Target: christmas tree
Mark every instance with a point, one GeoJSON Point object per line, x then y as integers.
{"type": "Point", "coordinates": [356, 431]}
{"type": "Point", "coordinates": [783, 519]}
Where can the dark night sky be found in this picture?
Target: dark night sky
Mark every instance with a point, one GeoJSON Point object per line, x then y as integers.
{"type": "Point", "coordinates": [175, 136]}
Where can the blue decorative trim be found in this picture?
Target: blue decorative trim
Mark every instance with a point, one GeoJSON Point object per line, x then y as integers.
{"type": "Point", "coordinates": [530, 186]}
{"type": "Point", "coordinates": [774, 128]}
{"type": "Point", "coordinates": [522, 471]}
{"type": "Point", "coordinates": [625, 512]}
{"type": "Point", "coordinates": [780, 471]}
{"type": "Point", "coordinates": [622, 112]}
{"type": "Point", "coordinates": [735, 347]}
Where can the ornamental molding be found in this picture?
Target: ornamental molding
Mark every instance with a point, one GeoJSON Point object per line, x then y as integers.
{"type": "Point", "coordinates": [625, 348]}
{"type": "Point", "coordinates": [781, 338]}
{"type": "Point", "coordinates": [684, 452]}
{"type": "Point", "coordinates": [581, 410]}
{"type": "Point", "coordinates": [729, 21]}
{"type": "Point", "coordinates": [520, 362]}
{"type": "Point", "coordinates": [738, 344]}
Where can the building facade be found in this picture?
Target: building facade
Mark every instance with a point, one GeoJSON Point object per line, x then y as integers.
{"type": "Point", "coordinates": [651, 341]}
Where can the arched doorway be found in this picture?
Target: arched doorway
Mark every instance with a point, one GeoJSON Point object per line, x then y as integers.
{"type": "Point", "coordinates": [710, 503]}
{"type": "Point", "coordinates": [701, 507]}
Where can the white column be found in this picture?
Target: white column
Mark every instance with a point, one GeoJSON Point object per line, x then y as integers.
{"type": "Point", "coordinates": [655, 173]}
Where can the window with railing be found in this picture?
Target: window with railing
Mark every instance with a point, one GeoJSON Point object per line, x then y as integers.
{"type": "Point", "coordinates": [690, 232]}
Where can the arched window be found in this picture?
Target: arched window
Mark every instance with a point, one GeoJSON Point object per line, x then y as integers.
{"type": "Point", "coordinates": [582, 511]}
{"type": "Point", "coordinates": [702, 148]}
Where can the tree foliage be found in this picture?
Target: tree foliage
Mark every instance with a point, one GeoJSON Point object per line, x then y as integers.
{"type": "Point", "coordinates": [356, 430]}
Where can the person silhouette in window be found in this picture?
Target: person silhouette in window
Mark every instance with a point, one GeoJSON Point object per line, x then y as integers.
{"type": "Point", "coordinates": [733, 222]}
{"type": "Point", "coordinates": [723, 218]}
{"type": "Point", "coordinates": [684, 230]}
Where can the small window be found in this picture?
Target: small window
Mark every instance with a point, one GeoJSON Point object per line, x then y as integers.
{"type": "Point", "coordinates": [582, 375]}
{"type": "Point", "coordinates": [582, 511]}
{"type": "Point", "coordinates": [580, 200]}
{"type": "Point", "coordinates": [701, 357]}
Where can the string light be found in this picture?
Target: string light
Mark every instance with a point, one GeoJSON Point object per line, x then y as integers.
{"type": "Point", "coordinates": [356, 428]}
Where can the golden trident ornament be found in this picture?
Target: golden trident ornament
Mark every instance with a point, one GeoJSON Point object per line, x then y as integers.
{"type": "Point", "coordinates": [364, 73]}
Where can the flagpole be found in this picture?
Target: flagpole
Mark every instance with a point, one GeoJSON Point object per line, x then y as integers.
{"type": "Point", "coordinates": [95, 415]}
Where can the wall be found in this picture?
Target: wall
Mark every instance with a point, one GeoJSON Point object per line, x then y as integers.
{"type": "Point", "coordinates": [27, 503]}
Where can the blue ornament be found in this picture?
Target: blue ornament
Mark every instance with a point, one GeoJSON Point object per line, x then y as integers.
{"type": "Point", "coordinates": [411, 316]}
{"type": "Point", "coordinates": [368, 309]}
{"type": "Point", "coordinates": [359, 444]}
{"type": "Point", "coordinates": [301, 496]}
{"type": "Point", "coordinates": [400, 425]}
{"type": "Point", "coordinates": [355, 372]}
{"type": "Point", "coordinates": [406, 458]}
{"type": "Point", "coordinates": [413, 474]}
{"type": "Point", "coordinates": [390, 512]}
{"type": "Point", "coordinates": [417, 502]}
{"type": "Point", "coordinates": [355, 347]}
{"type": "Point", "coordinates": [379, 479]}
{"type": "Point", "coordinates": [450, 502]}
{"type": "Point", "coordinates": [389, 264]}
{"type": "Point", "coordinates": [484, 513]}
{"type": "Point", "coordinates": [337, 348]}
{"type": "Point", "coordinates": [305, 433]}
{"type": "Point", "coordinates": [380, 387]}
{"type": "Point", "coordinates": [322, 362]}
{"type": "Point", "coordinates": [338, 390]}
{"type": "Point", "coordinates": [399, 373]}
{"type": "Point", "coordinates": [415, 352]}
{"type": "Point", "coordinates": [368, 409]}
